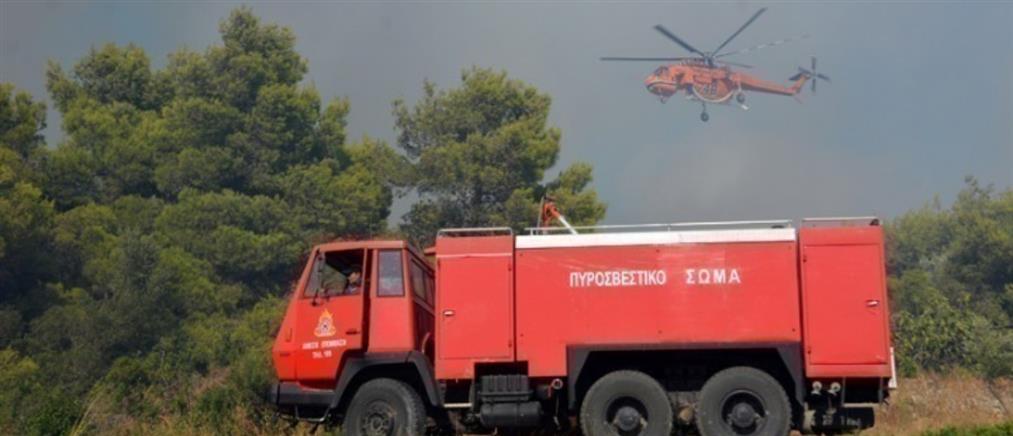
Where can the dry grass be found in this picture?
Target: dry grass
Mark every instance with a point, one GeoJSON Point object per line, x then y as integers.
{"type": "Point", "coordinates": [934, 401]}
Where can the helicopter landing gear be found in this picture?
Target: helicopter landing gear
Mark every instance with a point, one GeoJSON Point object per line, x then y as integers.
{"type": "Point", "coordinates": [741, 99]}
{"type": "Point", "coordinates": [703, 115]}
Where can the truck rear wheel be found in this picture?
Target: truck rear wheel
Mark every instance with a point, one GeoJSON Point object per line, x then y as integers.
{"type": "Point", "coordinates": [385, 407]}
{"type": "Point", "coordinates": [626, 403]}
{"type": "Point", "coordinates": [743, 401]}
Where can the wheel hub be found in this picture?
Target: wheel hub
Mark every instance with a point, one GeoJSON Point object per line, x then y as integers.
{"type": "Point", "coordinates": [743, 415]}
{"type": "Point", "coordinates": [627, 419]}
{"type": "Point", "coordinates": [379, 420]}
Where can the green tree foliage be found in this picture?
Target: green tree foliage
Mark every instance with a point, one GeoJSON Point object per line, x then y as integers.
{"type": "Point", "coordinates": [26, 216]}
{"type": "Point", "coordinates": [21, 121]}
{"type": "Point", "coordinates": [951, 276]}
{"type": "Point", "coordinates": [18, 379]}
{"type": "Point", "coordinates": [143, 258]}
{"type": "Point", "coordinates": [480, 154]}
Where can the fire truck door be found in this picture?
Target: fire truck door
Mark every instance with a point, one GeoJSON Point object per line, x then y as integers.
{"type": "Point", "coordinates": [475, 308]}
{"type": "Point", "coordinates": [330, 317]}
{"type": "Point", "coordinates": [846, 308]}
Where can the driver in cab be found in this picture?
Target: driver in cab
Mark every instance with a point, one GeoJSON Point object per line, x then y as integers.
{"type": "Point", "coordinates": [354, 283]}
{"type": "Point", "coordinates": [337, 283]}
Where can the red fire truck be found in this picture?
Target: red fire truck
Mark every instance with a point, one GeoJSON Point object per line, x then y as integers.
{"type": "Point", "coordinates": [736, 328]}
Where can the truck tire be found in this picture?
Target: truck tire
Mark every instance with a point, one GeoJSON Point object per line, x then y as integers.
{"type": "Point", "coordinates": [385, 407]}
{"type": "Point", "coordinates": [626, 403]}
{"type": "Point", "coordinates": [743, 401]}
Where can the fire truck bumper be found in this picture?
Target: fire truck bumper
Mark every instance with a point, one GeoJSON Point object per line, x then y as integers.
{"type": "Point", "coordinates": [291, 394]}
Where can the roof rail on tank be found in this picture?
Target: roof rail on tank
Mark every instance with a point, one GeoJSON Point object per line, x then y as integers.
{"type": "Point", "coordinates": [841, 221]}
{"type": "Point", "coordinates": [475, 231]}
{"type": "Point", "coordinates": [664, 227]}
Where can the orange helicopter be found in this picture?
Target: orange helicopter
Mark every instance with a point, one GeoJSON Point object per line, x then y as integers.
{"type": "Point", "coordinates": [708, 79]}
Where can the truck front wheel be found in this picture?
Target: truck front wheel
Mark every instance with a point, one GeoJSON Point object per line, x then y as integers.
{"type": "Point", "coordinates": [385, 407]}
{"type": "Point", "coordinates": [743, 401]}
{"type": "Point", "coordinates": [626, 403]}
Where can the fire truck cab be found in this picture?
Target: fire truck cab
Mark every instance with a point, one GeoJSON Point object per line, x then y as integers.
{"type": "Point", "coordinates": [748, 328]}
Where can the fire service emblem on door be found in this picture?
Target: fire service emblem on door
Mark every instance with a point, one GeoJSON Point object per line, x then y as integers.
{"type": "Point", "coordinates": [325, 325]}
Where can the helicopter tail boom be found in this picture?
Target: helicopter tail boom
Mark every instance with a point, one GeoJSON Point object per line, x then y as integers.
{"type": "Point", "coordinates": [800, 80]}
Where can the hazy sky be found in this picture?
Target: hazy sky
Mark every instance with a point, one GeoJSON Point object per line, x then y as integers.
{"type": "Point", "coordinates": [921, 92]}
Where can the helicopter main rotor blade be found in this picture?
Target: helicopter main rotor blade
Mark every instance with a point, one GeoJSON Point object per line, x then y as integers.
{"type": "Point", "coordinates": [735, 64]}
{"type": "Point", "coordinates": [682, 43]}
{"type": "Point", "coordinates": [659, 59]}
{"type": "Point", "coordinates": [625, 58]}
{"type": "Point", "coordinates": [737, 32]}
{"type": "Point", "coordinates": [764, 45]}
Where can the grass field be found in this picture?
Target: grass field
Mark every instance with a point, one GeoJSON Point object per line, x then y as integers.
{"type": "Point", "coordinates": [928, 405]}
{"type": "Point", "coordinates": [1004, 429]}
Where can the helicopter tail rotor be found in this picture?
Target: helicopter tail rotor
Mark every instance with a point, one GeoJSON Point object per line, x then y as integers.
{"type": "Point", "coordinates": [811, 74]}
